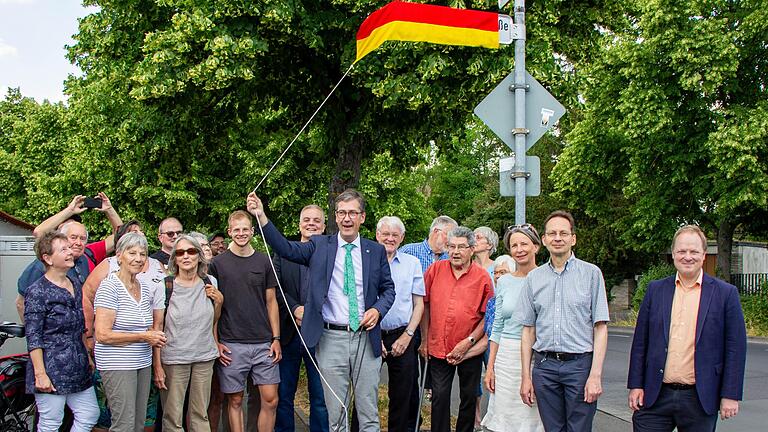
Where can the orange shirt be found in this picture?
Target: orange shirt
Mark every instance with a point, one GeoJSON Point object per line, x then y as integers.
{"type": "Point", "coordinates": [456, 306]}
{"type": "Point", "coordinates": [682, 333]}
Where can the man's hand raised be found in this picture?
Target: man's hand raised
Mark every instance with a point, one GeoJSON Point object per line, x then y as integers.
{"type": "Point", "coordinates": [76, 205]}
{"type": "Point", "coordinates": [256, 208]}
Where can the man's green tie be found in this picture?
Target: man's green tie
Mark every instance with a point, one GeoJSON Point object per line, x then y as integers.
{"type": "Point", "coordinates": [350, 288]}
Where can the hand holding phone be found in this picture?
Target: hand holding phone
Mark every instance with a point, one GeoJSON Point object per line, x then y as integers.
{"type": "Point", "coordinates": [94, 203]}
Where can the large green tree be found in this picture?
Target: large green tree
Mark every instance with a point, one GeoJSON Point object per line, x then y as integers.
{"type": "Point", "coordinates": [184, 104]}
{"type": "Point", "coordinates": [675, 128]}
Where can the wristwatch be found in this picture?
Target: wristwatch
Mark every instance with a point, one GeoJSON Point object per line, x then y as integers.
{"type": "Point", "coordinates": [472, 339]}
{"type": "Point", "coordinates": [409, 332]}
{"type": "Point", "coordinates": [275, 338]}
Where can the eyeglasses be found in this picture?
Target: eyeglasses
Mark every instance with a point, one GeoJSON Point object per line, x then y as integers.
{"type": "Point", "coordinates": [180, 252]}
{"type": "Point", "coordinates": [561, 234]}
{"type": "Point", "coordinates": [353, 214]}
{"type": "Point", "coordinates": [172, 234]}
{"type": "Point", "coordinates": [525, 226]}
{"type": "Point", "coordinates": [461, 247]}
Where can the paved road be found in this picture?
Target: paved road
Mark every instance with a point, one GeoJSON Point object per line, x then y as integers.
{"type": "Point", "coordinates": [613, 413]}
{"type": "Point", "coordinates": [613, 403]}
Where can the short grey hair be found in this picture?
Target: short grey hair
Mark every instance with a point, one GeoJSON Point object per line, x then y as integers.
{"type": "Point", "coordinates": [202, 263]}
{"type": "Point", "coordinates": [441, 222]}
{"type": "Point", "coordinates": [391, 221]}
{"type": "Point", "coordinates": [131, 240]}
{"type": "Point", "coordinates": [501, 259]}
{"type": "Point", "coordinates": [493, 238]}
{"type": "Point", "coordinates": [64, 229]}
{"type": "Point", "coordinates": [465, 232]}
{"type": "Point", "coordinates": [200, 237]}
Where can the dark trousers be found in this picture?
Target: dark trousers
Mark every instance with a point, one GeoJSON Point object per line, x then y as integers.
{"type": "Point", "coordinates": [559, 387]}
{"type": "Point", "coordinates": [293, 354]}
{"type": "Point", "coordinates": [469, 372]}
{"type": "Point", "coordinates": [418, 365]}
{"type": "Point", "coordinates": [402, 379]}
{"type": "Point", "coordinates": [679, 409]}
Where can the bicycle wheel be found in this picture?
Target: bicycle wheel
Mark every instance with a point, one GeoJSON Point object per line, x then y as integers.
{"type": "Point", "coordinates": [18, 411]}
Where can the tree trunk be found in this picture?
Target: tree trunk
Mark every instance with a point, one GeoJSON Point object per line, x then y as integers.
{"type": "Point", "coordinates": [346, 175]}
{"type": "Point", "coordinates": [724, 248]}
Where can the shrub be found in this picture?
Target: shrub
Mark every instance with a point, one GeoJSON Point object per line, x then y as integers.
{"type": "Point", "coordinates": [658, 271]}
{"type": "Point", "coordinates": [755, 308]}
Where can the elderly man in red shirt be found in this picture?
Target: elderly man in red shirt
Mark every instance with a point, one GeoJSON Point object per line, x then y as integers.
{"type": "Point", "coordinates": [457, 291]}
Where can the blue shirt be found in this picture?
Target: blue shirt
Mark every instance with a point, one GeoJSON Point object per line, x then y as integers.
{"type": "Point", "coordinates": [409, 281]}
{"type": "Point", "coordinates": [424, 253]}
{"type": "Point", "coordinates": [508, 290]}
{"type": "Point", "coordinates": [565, 306]}
{"type": "Point", "coordinates": [54, 322]}
{"type": "Point", "coordinates": [35, 270]}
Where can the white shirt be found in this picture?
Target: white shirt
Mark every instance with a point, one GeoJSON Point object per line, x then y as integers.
{"type": "Point", "coordinates": [336, 306]}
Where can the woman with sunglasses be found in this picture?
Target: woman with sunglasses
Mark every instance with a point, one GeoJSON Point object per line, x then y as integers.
{"type": "Point", "coordinates": [506, 412]}
{"type": "Point", "coordinates": [186, 361]}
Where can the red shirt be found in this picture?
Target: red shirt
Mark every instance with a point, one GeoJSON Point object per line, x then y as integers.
{"type": "Point", "coordinates": [99, 250]}
{"type": "Point", "coordinates": [456, 306]}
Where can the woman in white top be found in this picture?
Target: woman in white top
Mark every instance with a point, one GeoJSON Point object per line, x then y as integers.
{"type": "Point", "coordinates": [506, 412]}
{"type": "Point", "coordinates": [186, 361]}
{"type": "Point", "coordinates": [127, 326]}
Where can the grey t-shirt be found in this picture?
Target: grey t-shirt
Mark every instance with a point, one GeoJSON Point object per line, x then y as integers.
{"type": "Point", "coordinates": [189, 326]}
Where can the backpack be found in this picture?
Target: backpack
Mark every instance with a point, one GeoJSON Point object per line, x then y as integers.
{"type": "Point", "coordinates": [89, 253]}
{"type": "Point", "coordinates": [169, 292]}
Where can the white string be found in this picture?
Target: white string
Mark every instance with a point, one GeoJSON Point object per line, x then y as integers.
{"type": "Point", "coordinates": [303, 127]}
{"type": "Point", "coordinates": [272, 263]}
{"type": "Point", "coordinates": [298, 330]}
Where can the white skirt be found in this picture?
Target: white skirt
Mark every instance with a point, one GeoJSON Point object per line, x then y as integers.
{"type": "Point", "coordinates": [506, 411]}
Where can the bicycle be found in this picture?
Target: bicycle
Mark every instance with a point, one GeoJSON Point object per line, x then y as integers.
{"type": "Point", "coordinates": [17, 408]}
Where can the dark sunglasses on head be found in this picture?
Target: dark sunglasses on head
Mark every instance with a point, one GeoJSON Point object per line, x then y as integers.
{"type": "Point", "coordinates": [180, 252]}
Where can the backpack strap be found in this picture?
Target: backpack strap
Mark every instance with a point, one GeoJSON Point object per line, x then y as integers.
{"type": "Point", "coordinates": [168, 293]}
{"type": "Point", "coordinates": [89, 253]}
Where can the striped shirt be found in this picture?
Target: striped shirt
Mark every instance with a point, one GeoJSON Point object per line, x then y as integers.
{"type": "Point", "coordinates": [564, 307]}
{"type": "Point", "coordinates": [131, 317]}
{"type": "Point", "coordinates": [424, 253]}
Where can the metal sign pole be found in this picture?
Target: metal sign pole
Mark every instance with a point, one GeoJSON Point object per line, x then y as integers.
{"type": "Point", "coordinates": [520, 130]}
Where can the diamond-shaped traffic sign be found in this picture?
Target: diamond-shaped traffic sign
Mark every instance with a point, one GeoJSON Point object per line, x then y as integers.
{"type": "Point", "coordinates": [497, 110]}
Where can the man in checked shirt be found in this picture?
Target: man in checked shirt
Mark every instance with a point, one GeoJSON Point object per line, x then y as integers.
{"type": "Point", "coordinates": [564, 311]}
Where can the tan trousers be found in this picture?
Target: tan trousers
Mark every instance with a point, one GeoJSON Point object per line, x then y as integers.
{"type": "Point", "coordinates": [196, 377]}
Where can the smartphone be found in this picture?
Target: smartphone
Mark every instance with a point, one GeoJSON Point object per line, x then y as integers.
{"type": "Point", "coordinates": [92, 202]}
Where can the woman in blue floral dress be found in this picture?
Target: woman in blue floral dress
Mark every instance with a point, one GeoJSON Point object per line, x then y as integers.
{"type": "Point", "coordinates": [59, 370]}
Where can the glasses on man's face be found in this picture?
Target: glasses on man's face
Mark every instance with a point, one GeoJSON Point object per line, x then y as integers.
{"type": "Point", "coordinates": [459, 247]}
{"type": "Point", "coordinates": [180, 252]}
{"type": "Point", "coordinates": [353, 214]}
{"type": "Point", "coordinates": [560, 234]}
{"type": "Point", "coordinates": [172, 234]}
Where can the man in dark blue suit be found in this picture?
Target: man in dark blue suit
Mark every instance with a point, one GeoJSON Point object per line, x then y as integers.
{"type": "Point", "coordinates": [351, 289]}
{"type": "Point", "coordinates": [690, 346]}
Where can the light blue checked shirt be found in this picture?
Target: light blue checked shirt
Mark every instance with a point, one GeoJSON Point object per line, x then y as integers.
{"type": "Point", "coordinates": [423, 252]}
{"type": "Point", "coordinates": [565, 306]}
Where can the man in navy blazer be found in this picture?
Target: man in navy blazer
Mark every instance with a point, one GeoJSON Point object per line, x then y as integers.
{"type": "Point", "coordinates": [335, 322]}
{"type": "Point", "coordinates": [690, 346]}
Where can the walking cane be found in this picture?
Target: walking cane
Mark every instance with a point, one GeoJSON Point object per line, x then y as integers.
{"type": "Point", "coordinates": [421, 390]}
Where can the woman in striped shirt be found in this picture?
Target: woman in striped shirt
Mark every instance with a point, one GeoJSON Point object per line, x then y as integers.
{"type": "Point", "coordinates": [128, 316]}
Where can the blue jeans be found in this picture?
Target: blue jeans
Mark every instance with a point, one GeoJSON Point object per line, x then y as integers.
{"type": "Point", "coordinates": [293, 354]}
{"type": "Point", "coordinates": [679, 409]}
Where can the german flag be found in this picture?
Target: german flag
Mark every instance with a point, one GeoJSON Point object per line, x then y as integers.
{"type": "Point", "coordinates": [414, 22]}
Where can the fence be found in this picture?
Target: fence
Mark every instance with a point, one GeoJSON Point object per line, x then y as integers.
{"type": "Point", "coordinates": [749, 283]}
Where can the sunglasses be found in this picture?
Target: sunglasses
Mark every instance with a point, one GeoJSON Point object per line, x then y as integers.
{"type": "Point", "coordinates": [172, 234]}
{"type": "Point", "coordinates": [191, 251]}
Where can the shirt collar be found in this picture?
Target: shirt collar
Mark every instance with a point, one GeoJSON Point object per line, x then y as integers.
{"type": "Point", "coordinates": [699, 279]}
{"type": "Point", "coordinates": [342, 242]}
{"type": "Point", "coordinates": [397, 256]}
{"type": "Point", "coordinates": [568, 262]}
